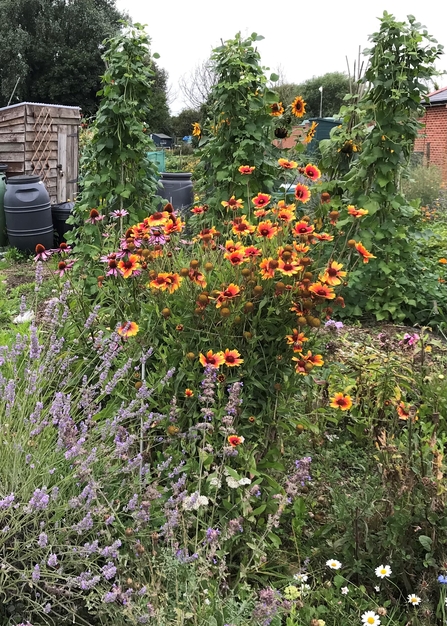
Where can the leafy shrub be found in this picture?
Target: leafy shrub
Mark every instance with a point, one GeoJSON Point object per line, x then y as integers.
{"type": "Point", "coordinates": [423, 184]}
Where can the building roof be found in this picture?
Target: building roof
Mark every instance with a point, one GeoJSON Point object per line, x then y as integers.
{"type": "Point", "coordinates": [161, 136]}
{"type": "Point", "coordinates": [438, 97]}
{"type": "Point", "coordinates": [39, 104]}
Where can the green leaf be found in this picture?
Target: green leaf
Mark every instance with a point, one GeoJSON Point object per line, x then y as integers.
{"type": "Point", "coordinates": [426, 542]}
{"type": "Point", "coordinates": [274, 77]}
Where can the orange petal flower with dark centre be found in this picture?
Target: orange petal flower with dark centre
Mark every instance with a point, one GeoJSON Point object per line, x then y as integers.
{"type": "Point", "coordinates": [127, 268]}
{"type": "Point", "coordinates": [267, 268]}
{"type": "Point", "coordinates": [161, 281]}
{"type": "Point", "coordinates": [230, 246]}
{"type": "Point", "coordinates": [246, 169]}
{"type": "Point", "coordinates": [298, 107]}
{"type": "Point", "coordinates": [232, 291]}
{"type": "Point", "coordinates": [261, 200]}
{"type": "Point", "coordinates": [301, 248]}
{"type": "Point", "coordinates": [333, 274]}
{"type": "Point", "coordinates": [197, 277]}
{"type": "Point", "coordinates": [267, 229]}
{"type": "Point", "coordinates": [173, 282]}
{"type": "Point", "coordinates": [197, 210]}
{"type": "Point", "coordinates": [157, 219]}
{"type": "Point", "coordinates": [288, 268]}
{"type": "Point", "coordinates": [302, 229]}
{"type": "Point", "coordinates": [175, 226]}
{"type": "Point", "coordinates": [322, 291]}
{"type": "Point", "coordinates": [237, 257]}
{"type": "Point", "coordinates": [251, 252]}
{"type": "Point", "coordinates": [243, 227]}
{"type": "Point", "coordinates": [356, 212]}
{"type": "Point", "coordinates": [211, 359]}
{"type": "Point", "coordinates": [285, 215]}
{"type": "Point", "coordinates": [311, 132]}
{"type": "Point", "coordinates": [189, 393]}
{"type": "Point", "coordinates": [235, 440]}
{"type": "Point", "coordinates": [443, 261]}
{"type": "Point", "coordinates": [302, 193]}
{"type": "Point", "coordinates": [128, 329]}
{"type": "Point", "coordinates": [323, 236]}
{"type": "Point", "coordinates": [233, 203]}
{"type": "Point", "coordinates": [312, 172]}
{"type": "Point", "coordinates": [296, 337]}
{"type": "Point", "coordinates": [260, 213]}
{"type": "Point", "coordinates": [340, 401]}
{"type": "Point", "coordinates": [315, 359]}
{"type": "Point", "coordinates": [403, 411]}
{"type": "Point", "coordinates": [207, 233]}
{"type": "Point", "coordinates": [287, 165]}
{"type": "Point", "coordinates": [232, 358]}
{"type": "Point", "coordinates": [364, 252]}
{"type": "Point", "coordinates": [276, 109]}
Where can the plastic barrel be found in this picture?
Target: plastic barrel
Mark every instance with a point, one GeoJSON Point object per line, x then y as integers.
{"type": "Point", "coordinates": [177, 189]}
{"type": "Point", "coordinates": [28, 213]}
{"type": "Point", "coordinates": [60, 213]}
{"type": "Point", "coordinates": [3, 238]}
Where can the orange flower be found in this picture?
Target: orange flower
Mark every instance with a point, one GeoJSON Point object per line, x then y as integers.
{"type": "Point", "coordinates": [189, 393]}
{"type": "Point", "coordinates": [340, 401]}
{"type": "Point", "coordinates": [157, 219]}
{"type": "Point", "coordinates": [251, 252]}
{"type": "Point", "coordinates": [443, 261]}
{"type": "Point", "coordinates": [283, 205]}
{"type": "Point", "coordinates": [302, 229]}
{"type": "Point", "coordinates": [333, 274]}
{"type": "Point", "coordinates": [174, 226]}
{"type": "Point", "coordinates": [232, 358]}
{"type": "Point", "coordinates": [364, 252]}
{"type": "Point", "coordinates": [261, 200]}
{"type": "Point", "coordinates": [233, 203]}
{"type": "Point", "coordinates": [302, 193]}
{"type": "Point", "coordinates": [230, 246]}
{"type": "Point", "coordinates": [300, 367]}
{"type": "Point", "coordinates": [315, 359]}
{"type": "Point", "coordinates": [260, 213]}
{"type": "Point", "coordinates": [232, 291]}
{"type": "Point", "coordinates": [128, 329]}
{"type": "Point", "coordinates": [237, 257]}
{"type": "Point", "coordinates": [287, 165]}
{"type": "Point", "coordinates": [211, 359]}
{"type": "Point", "coordinates": [323, 236]}
{"type": "Point", "coordinates": [403, 411]}
{"type": "Point", "coordinates": [322, 291]}
{"type": "Point", "coordinates": [296, 337]}
{"type": "Point", "coordinates": [298, 107]}
{"type": "Point", "coordinates": [356, 212]}
{"type": "Point", "coordinates": [267, 229]}
{"type": "Point", "coordinates": [235, 441]}
{"type": "Point", "coordinates": [166, 282]}
{"type": "Point", "coordinates": [196, 130]}
{"type": "Point", "coordinates": [285, 215]}
{"type": "Point", "coordinates": [246, 169]}
{"type": "Point", "coordinates": [312, 172]}
{"type": "Point", "coordinates": [301, 248]}
{"type": "Point", "coordinates": [197, 210]}
{"type": "Point", "coordinates": [207, 233]}
{"type": "Point", "coordinates": [277, 109]}
{"type": "Point", "coordinates": [127, 268]}
{"type": "Point", "coordinates": [267, 268]}
{"type": "Point", "coordinates": [288, 268]}
{"type": "Point", "coordinates": [197, 277]}
{"type": "Point", "coordinates": [242, 227]}
{"type": "Point", "coordinates": [311, 133]}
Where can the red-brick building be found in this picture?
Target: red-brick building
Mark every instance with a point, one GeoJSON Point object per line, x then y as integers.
{"type": "Point", "coordinates": [432, 141]}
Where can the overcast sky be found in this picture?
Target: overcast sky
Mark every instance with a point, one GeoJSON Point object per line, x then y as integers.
{"type": "Point", "coordinates": [304, 39]}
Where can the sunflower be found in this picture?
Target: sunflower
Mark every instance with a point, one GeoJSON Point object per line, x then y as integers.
{"type": "Point", "coordinates": [340, 401]}
{"type": "Point", "coordinates": [232, 358]}
{"type": "Point", "coordinates": [302, 193]}
{"type": "Point", "coordinates": [242, 227]}
{"type": "Point", "coordinates": [266, 229]}
{"type": "Point", "coordinates": [128, 329]}
{"type": "Point", "coordinates": [235, 440]}
{"type": "Point", "coordinates": [237, 257]}
{"type": "Point", "coordinates": [246, 169]}
{"type": "Point", "coordinates": [298, 107]}
{"type": "Point", "coordinates": [322, 291]}
{"type": "Point", "coordinates": [302, 229]}
{"type": "Point", "coordinates": [333, 274]}
{"type": "Point", "coordinates": [287, 165]}
{"type": "Point", "coordinates": [157, 219]}
{"type": "Point", "coordinates": [277, 109]}
{"type": "Point", "coordinates": [233, 203]}
{"type": "Point", "coordinates": [261, 200]}
{"type": "Point", "coordinates": [312, 172]}
{"type": "Point", "coordinates": [211, 359]}
{"type": "Point", "coordinates": [311, 133]}
{"type": "Point", "coordinates": [356, 212]}
{"type": "Point", "coordinates": [196, 130]}
{"type": "Point", "coordinates": [363, 252]}
{"type": "Point", "coordinates": [129, 267]}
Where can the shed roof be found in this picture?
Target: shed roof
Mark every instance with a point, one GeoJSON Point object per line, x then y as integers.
{"type": "Point", "coordinates": [161, 136]}
{"type": "Point", "coordinates": [39, 104]}
{"type": "Point", "coordinates": [438, 97]}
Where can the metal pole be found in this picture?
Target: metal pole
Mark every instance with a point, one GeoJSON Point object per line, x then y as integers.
{"type": "Point", "coordinates": [321, 101]}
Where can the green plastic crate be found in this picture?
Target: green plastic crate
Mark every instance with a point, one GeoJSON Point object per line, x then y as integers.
{"type": "Point", "coordinates": [157, 157]}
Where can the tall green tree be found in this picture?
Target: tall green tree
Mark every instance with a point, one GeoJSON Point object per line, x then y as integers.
{"type": "Point", "coordinates": [182, 123]}
{"type": "Point", "coordinates": [50, 50]}
{"type": "Point", "coordinates": [159, 117]}
{"type": "Point", "coordinates": [335, 88]}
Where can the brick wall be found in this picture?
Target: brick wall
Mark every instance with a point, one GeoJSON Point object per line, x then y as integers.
{"type": "Point", "coordinates": [432, 140]}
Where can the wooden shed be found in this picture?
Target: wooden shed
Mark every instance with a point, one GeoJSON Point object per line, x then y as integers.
{"type": "Point", "coordinates": [42, 139]}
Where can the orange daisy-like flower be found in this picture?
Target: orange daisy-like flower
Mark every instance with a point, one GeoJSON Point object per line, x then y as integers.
{"type": "Point", "coordinates": [235, 440]}
{"type": "Point", "coordinates": [251, 252]}
{"type": "Point", "coordinates": [322, 291]}
{"type": "Point", "coordinates": [207, 233]}
{"type": "Point", "coordinates": [296, 340]}
{"type": "Point", "coordinates": [232, 358]}
{"type": "Point", "coordinates": [166, 281]}
{"type": "Point", "coordinates": [285, 215]}
{"type": "Point", "coordinates": [267, 229]}
{"type": "Point", "coordinates": [312, 172]}
{"type": "Point", "coordinates": [340, 401]}
{"type": "Point", "coordinates": [198, 210]}
{"type": "Point", "coordinates": [237, 257]}
{"type": "Point", "coordinates": [283, 205]}
{"type": "Point", "coordinates": [242, 227]}
{"type": "Point", "coordinates": [364, 252]}
{"type": "Point", "coordinates": [127, 268]}
{"type": "Point", "coordinates": [174, 226]}
{"type": "Point", "coordinates": [189, 393]}
{"type": "Point", "coordinates": [288, 268]}
{"type": "Point", "coordinates": [302, 193]}
{"type": "Point", "coordinates": [276, 109]}
{"type": "Point", "coordinates": [315, 359]}
{"type": "Point", "coordinates": [157, 219]}
{"type": "Point", "coordinates": [233, 203]}
{"type": "Point", "coordinates": [356, 212]}
{"type": "Point", "coordinates": [403, 411]}
{"type": "Point", "coordinates": [302, 229]}
{"type": "Point", "coordinates": [261, 200]}
{"type": "Point", "coordinates": [301, 248]}
{"type": "Point", "coordinates": [287, 165]}
{"type": "Point", "coordinates": [260, 213]}
{"type": "Point", "coordinates": [246, 169]}
{"type": "Point", "coordinates": [311, 132]}
{"type": "Point", "coordinates": [128, 329]}
{"type": "Point", "coordinates": [197, 277]}
{"type": "Point", "coordinates": [298, 107]}
{"type": "Point", "coordinates": [333, 274]}
{"type": "Point", "coordinates": [267, 268]}
{"type": "Point", "coordinates": [232, 291]}
{"type": "Point", "coordinates": [230, 246]}
{"type": "Point", "coordinates": [443, 261]}
{"type": "Point", "coordinates": [323, 236]}
{"type": "Point", "coordinates": [211, 359]}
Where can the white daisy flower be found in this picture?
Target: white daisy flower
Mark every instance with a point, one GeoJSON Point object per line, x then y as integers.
{"type": "Point", "coordinates": [370, 618]}
{"type": "Point", "coordinates": [377, 588]}
{"type": "Point", "coordinates": [344, 591]}
{"type": "Point", "coordinates": [301, 578]}
{"type": "Point", "coordinates": [383, 571]}
{"type": "Point", "coordinates": [333, 564]}
{"type": "Point", "coordinates": [415, 600]}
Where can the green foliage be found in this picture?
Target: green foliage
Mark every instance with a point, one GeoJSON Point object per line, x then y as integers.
{"type": "Point", "coordinates": [53, 48]}
{"type": "Point", "coordinates": [158, 118]}
{"type": "Point", "coordinates": [423, 184]}
{"type": "Point", "coordinates": [335, 88]}
{"type": "Point", "coordinates": [182, 123]}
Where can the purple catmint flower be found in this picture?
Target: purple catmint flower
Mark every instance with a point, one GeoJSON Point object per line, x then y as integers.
{"type": "Point", "coordinates": [9, 394]}
{"type": "Point", "coordinates": [47, 608]}
{"type": "Point", "coordinates": [109, 571]}
{"type": "Point", "coordinates": [85, 581]}
{"type": "Point", "coordinates": [298, 477]}
{"type": "Point", "coordinates": [52, 560]}
{"type": "Point", "coordinates": [235, 527]}
{"type": "Point", "coordinates": [212, 535]}
{"type": "Point", "coordinates": [111, 552]}
{"type": "Point", "coordinates": [85, 524]}
{"type": "Point", "coordinates": [110, 596]}
{"type": "Point", "coordinates": [35, 348]}
{"type": "Point", "coordinates": [92, 317]}
{"type": "Point", "coordinates": [39, 501]}
{"type": "Point", "coordinates": [36, 574]}
{"type": "Point", "coordinates": [43, 540]}
{"type": "Point", "coordinates": [169, 374]}
{"type": "Point", "coordinates": [38, 276]}
{"type": "Point", "coordinates": [133, 503]}
{"type": "Point", "coordinates": [7, 502]}
{"type": "Point", "coordinates": [91, 548]}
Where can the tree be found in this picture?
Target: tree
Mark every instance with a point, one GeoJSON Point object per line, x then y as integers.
{"type": "Point", "coordinates": [335, 87]}
{"type": "Point", "coordinates": [197, 86]}
{"type": "Point", "coordinates": [50, 50]}
{"type": "Point", "coordinates": [182, 123]}
{"type": "Point", "coordinates": [159, 119]}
